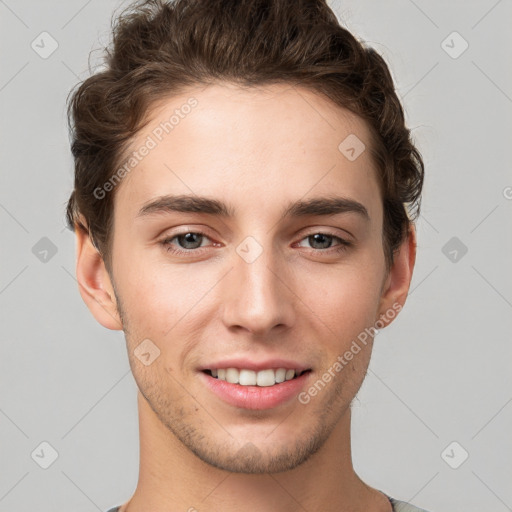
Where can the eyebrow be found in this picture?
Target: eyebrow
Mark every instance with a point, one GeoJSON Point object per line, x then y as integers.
{"type": "Point", "coordinates": [196, 204]}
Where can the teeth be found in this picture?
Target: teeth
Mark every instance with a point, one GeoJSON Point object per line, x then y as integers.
{"type": "Point", "coordinates": [251, 378]}
{"type": "Point", "coordinates": [289, 374]}
{"type": "Point", "coordinates": [281, 375]}
{"type": "Point", "coordinates": [266, 378]}
{"type": "Point", "coordinates": [232, 375]}
{"type": "Point", "coordinates": [247, 377]}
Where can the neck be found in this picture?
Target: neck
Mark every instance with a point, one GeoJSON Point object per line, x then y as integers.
{"type": "Point", "coordinates": [171, 478]}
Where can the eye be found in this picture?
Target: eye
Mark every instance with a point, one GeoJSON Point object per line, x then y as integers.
{"type": "Point", "coordinates": [190, 241]}
{"type": "Point", "coordinates": [324, 241]}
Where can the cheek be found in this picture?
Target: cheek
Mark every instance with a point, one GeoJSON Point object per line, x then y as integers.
{"type": "Point", "coordinates": [161, 299]}
{"type": "Point", "coordinates": [344, 299]}
{"type": "Point", "coordinates": [154, 305]}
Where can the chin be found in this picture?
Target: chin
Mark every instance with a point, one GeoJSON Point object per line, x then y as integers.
{"type": "Point", "coordinates": [251, 459]}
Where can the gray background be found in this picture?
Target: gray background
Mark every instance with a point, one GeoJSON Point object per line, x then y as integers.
{"type": "Point", "coordinates": [439, 374]}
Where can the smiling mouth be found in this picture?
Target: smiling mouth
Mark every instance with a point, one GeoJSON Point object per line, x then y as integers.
{"type": "Point", "coordinates": [262, 378]}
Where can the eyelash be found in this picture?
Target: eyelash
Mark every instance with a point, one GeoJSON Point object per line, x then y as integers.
{"type": "Point", "coordinates": [343, 244]}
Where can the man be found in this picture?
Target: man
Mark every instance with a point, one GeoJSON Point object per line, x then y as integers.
{"type": "Point", "coordinates": [242, 178]}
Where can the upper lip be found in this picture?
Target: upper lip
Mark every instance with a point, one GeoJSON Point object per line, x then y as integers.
{"type": "Point", "coordinates": [251, 364]}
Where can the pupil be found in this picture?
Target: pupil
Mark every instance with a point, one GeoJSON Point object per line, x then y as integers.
{"type": "Point", "coordinates": [189, 239]}
{"type": "Point", "coordinates": [325, 238]}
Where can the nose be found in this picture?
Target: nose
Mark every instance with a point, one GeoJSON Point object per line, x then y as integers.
{"type": "Point", "coordinates": [259, 295]}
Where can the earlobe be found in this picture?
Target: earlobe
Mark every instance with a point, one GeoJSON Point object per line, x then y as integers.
{"type": "Point", "coordinates": [94, 283]}
{"type": "Point", "coordinates": [398, 281]}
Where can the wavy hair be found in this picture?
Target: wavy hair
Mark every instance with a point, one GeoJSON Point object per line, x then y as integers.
{"type": "Point", "coordinates": [159, 48]}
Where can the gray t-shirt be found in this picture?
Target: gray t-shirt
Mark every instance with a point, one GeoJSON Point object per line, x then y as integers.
{"type": "Point", "coordinates": [398, 506]}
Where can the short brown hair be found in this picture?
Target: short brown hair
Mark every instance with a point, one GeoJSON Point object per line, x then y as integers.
{"type": "Point", "coordinates": [159, 48]}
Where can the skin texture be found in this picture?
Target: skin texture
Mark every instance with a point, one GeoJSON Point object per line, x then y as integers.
{"type": "Point", "coordinates": [257, 150]}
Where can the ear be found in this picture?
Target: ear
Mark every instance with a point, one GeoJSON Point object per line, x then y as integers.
{"type": "Point", "coordinates": [94, 282]}
{"type": "Point", "coordinates": [398, 280]}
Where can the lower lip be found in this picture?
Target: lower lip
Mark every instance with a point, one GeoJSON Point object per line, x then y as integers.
{"type": "Point", "coordinates": [255, 397]}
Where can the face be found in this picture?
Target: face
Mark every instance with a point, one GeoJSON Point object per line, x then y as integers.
{"type": "Point", "coordinates": [288, 276]}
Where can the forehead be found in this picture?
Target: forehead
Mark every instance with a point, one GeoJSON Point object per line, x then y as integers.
{"type": "Point", "coordinates": [275, 141]}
